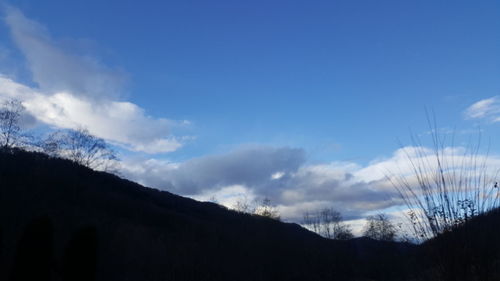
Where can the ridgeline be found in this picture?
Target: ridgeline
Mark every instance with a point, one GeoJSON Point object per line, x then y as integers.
{"type": "Point", "coordinates": [63, 221]}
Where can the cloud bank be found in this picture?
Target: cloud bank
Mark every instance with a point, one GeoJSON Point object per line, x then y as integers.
{"type": "Point", "coordinates": [279, 173]}
{"type": "Point", "coordinates": [250, 172]}
{"type": "Point", "coordinates": [78, 91]}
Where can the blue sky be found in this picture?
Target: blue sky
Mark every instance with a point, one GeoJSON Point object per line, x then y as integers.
{"type": "Point", "coordinates": [342, 81]}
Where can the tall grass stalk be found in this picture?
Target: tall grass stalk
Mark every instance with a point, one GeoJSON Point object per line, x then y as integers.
{"type": "Point", "coordinates": [447, 186]}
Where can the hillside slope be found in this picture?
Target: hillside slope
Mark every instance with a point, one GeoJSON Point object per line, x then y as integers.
{"type": "Point", "coordinates": [469, 252]}
{"type": "Point", "coordinates": [61, 221]}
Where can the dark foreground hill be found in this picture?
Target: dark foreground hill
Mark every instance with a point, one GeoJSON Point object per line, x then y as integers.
{"type": "Point", "coordinates": [61, 221]}
{"type": "Point", "coordinates": [470, 252]}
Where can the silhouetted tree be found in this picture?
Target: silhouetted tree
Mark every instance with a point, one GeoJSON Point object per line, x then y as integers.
{"type": "Point", "coordinates": [244, 206]}
{"type": "Point", "coordinates": [266, 209]}
{"type": "Point", "coordinates": [379, 227]}
{"type": "Point", "coordinates": [312, 221]}
{"type": "Point", "coordinates": [80, 256]}
{"type": "Point", "coordinates": [34, 256]}
{"type": "Point", "coordinates": [10, 129]}
{"type": "Point", "coordinates": [81, 147]}
{"type": "Point", "coordinates": [328, 223]}
{"type": "Point", "coordinates": [262, 207]}
{"type": "Point", "coordinates": [53, 144]}
{"type": "Point", "coordinates": [343, 232]}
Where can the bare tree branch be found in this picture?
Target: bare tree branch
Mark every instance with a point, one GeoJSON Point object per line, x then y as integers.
{"type": "Point", "coordinates": [81, 147]}
{"type": "Point", "coordinates": [10, 129]}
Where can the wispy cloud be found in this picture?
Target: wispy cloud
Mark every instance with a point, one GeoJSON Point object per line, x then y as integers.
{"type": "Point", "coordinates": [74, 90]}
{"type": "Point", "coordinates": [488, 109]}
{"type": "Point", "coordinates": [56, 69]}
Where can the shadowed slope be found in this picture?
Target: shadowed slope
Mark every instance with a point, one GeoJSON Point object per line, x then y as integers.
{"type": "Point", "coordinates": [130, 232]}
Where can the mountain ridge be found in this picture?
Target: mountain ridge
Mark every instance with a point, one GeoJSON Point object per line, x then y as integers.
{"type": "Point", "coordinates": [141, 233]}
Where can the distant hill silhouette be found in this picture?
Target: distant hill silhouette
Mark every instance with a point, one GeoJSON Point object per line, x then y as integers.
{"type": "Point", "coordinates": [62, 221]}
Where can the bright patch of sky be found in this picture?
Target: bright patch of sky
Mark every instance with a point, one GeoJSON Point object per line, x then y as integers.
{"type": "Point", "coordinates": [298, 101]}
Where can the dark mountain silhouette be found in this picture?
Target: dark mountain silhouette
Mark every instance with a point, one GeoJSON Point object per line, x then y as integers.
{"type": "Point", "coordinates": [62, 221]}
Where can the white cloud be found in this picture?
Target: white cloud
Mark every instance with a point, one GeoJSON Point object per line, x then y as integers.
{"type": "Point", "coordinates": [484, 109]}
{"type": "Point", "coordinates": [228, 196]}
{"type": "Point", "coordinates": [78, 91]}
{"type": "Point", "coordinates": [121, 123]}
{"type": "Point", "coordinates": [277, 175]}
